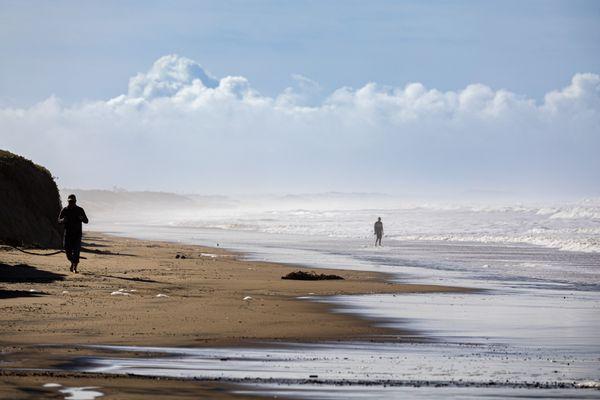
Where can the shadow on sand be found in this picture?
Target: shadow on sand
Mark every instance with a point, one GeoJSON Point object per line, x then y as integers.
{"type": "Point", "coordinates": [104, 252]}
{"type": "Point", "coordinates": [23, 273]}
{"type": "Point", "coordinates": [12, 294]}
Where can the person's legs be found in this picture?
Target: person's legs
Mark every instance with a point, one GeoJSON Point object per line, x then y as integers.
{"type": "Point", "coordinates": [378, 241]}
{"type": "Point", "coordinates": [72, 249]}
{"type": "Point", "coordinates": [69, 250]}
{"type": "Point", "coordinates": [76, 251]}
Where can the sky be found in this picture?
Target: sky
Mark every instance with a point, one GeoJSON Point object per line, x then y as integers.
{"type": "Point", "coordinates": [296, 96]}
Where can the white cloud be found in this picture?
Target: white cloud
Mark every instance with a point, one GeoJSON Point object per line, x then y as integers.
{"type": "Point", "coordinates": [177, 128]}
{"type": "Point", "coordinates": [581, 96]}
{"type": "Point", "coordinates": [305, 92]}
{"type": "Point", "coordinates": [168, 75]}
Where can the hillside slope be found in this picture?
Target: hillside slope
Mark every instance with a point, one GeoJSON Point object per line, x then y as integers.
{"type": "Point", "coordinates": [29, 203]}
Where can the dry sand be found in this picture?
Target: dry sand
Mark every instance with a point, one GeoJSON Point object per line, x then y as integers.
{"type": "Point", "coordinates": [113, 300]}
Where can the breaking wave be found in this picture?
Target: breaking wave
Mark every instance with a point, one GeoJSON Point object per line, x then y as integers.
{"type": "Point", "coordinates": [568, 227]}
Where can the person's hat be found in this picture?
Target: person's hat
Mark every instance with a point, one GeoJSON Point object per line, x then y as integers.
{"type": "Point", "coordinates": [72, 197]}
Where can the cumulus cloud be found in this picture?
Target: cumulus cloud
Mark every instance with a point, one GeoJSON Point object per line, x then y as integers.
{"type": "Point", "coordinates": [179, 128]}
{"type": "Point", "coordinates": [304, 92]}
{"type": "Point", "coordinates": [169, 75]}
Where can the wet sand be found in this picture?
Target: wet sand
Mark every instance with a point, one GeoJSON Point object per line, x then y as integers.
{"type": "Point", "coordinates": [209, 298]}
{"type": "Point", "coordinates": [30, 385]}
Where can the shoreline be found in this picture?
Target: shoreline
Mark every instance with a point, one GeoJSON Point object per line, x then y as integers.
{"type": "Point", "coordinates": [204, 307]}
{"type": "Point", "coordinates": [113, 301]}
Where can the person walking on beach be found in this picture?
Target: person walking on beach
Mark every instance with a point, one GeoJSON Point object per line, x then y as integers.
{"type": "Point", "coordinates": [72, 216]}
{"type": "Point", "coordinates": [378, 231]}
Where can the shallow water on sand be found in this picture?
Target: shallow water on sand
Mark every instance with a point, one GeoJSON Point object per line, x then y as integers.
{"type": "Point", "coordinates": [553, 320]}
{"type": "Point", "coordinates": [326, 392]}
{"type": "Point", "coordinates": [375, 370]}
{"type": "Point", "coordinates": [536, 322]}
{"type": "Point", "coordinates": [358, 362]}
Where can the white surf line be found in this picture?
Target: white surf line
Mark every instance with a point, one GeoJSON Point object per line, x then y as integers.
{"type": "Point", "coordinates": [356, 364]}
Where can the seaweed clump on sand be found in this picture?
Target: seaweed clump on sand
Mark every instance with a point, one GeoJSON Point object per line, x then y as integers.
{"type": "Point", "coordinates": [310, 276]}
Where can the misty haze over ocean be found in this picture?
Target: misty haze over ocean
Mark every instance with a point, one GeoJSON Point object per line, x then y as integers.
{"type": "Point", "coordinates": [569, 226]}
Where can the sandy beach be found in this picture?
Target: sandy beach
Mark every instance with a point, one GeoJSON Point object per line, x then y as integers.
{"type": "Point", "coordinates": [133, 292]}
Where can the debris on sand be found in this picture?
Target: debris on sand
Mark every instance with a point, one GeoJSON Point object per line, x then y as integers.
{"type": "Point", "coordinates": [247, 298]}
{"type": "Point", "coordinates": [162, 295]}
{"type": "Point", "coordinates": [310, 276]}
{"type": "Point", "coordinates": [211, 255]}
{"type": "Point", "coordinates": [122, 292]}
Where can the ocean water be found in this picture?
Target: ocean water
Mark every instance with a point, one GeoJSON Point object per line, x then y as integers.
{"type": "Point", "coordinates": [536, 321]}
{"type": "Point", "coordinates": [569, 226]}
{"type": "Point", "coordinates": [551, 244]}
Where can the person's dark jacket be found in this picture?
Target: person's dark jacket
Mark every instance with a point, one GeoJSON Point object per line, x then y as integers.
{"type": "Point", "coordinates": [378, 228]}
{"type": "Point", "coordinates": [72, 217]}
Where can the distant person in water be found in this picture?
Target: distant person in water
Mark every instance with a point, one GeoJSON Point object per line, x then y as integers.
{"type": "Point", "coordinates": [72, 216]}
{"type": "Point", "coordinates": [378, 231]}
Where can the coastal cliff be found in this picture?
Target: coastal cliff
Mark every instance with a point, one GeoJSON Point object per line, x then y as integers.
{"type": "Point", "coordinates": [29, 204]}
